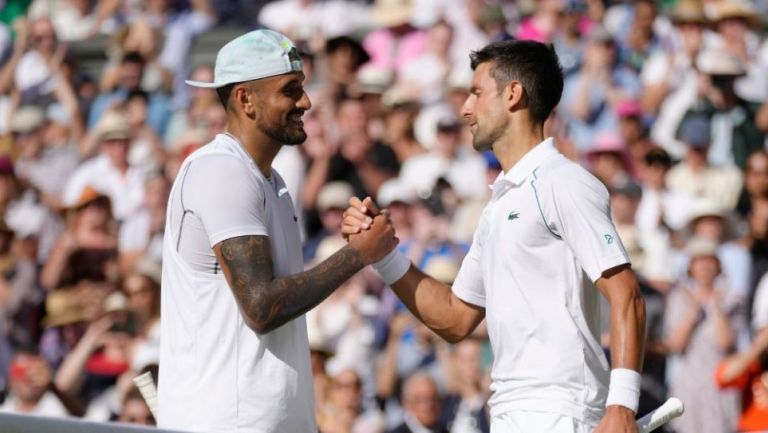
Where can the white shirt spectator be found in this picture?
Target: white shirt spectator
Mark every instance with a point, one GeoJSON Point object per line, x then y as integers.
{"type": "Point", "coordinates": [126, 191]}
{"type": "Point", "coordinates": [49, 406]}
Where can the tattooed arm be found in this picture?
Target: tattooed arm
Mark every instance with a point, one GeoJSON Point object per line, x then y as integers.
{"type": "Point", "coordinates": [267, 302]}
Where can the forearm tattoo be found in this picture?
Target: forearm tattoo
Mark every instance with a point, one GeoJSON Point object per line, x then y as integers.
{"type": "Point", "coordinates": [270, 302]}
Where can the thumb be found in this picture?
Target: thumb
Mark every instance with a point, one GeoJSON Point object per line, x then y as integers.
{"type": "Point", "coordinates": [370, 207]}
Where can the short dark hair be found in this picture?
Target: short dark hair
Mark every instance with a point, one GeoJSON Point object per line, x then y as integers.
{"type": "Point", "coordinates": [224, 92]}
{"type": "Point", "coordinates": [533, 64]}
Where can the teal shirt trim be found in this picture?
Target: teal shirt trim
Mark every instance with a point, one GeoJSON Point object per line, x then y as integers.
{"type": "Point", "coordinates": [538, 203]}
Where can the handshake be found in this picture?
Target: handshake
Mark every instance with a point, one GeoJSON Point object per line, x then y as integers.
{"type": "Point", "coordinates": [368, 230]}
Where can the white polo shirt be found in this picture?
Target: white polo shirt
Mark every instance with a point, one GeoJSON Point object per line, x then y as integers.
{"type": "Point", "coordinates": [547, 224]}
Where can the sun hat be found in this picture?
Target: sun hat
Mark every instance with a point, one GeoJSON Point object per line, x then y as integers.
{"type": "Point", "coordinates": [715, 61]}
{"type": "Point", "coordinates": [252, 56]}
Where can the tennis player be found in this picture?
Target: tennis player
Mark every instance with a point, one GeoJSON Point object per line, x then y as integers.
{"type": "Point", "coordinates": [546, 225]}
{"type": "Point", "coordinates": [234, 355]}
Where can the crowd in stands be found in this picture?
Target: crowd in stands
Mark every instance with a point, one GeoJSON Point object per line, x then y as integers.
{"type": "Point", "coordinates": [666, 102]}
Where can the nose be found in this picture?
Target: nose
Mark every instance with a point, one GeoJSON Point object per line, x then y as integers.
{"type": "Point", "coordinates": [304, 103]}
{"type": "Point", "coordinates": [466, 108]}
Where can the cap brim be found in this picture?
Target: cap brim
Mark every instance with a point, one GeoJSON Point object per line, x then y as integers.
{"type": "Point", "coordinates": [205, 85]}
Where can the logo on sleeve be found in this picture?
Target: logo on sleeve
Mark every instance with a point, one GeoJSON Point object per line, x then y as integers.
{"type": "Point", "coordinates": [608, 238]}
{"type": "Point", "coordinates": [513, 216]}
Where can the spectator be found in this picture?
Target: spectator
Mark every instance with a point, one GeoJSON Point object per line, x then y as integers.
{"type": "Point", "coordinates": [135, 410]}
{"type": "Point", "coordinates": [345, 411]}
{"type": "Point", "coordinates": [670, 77]}
{"type": "Point", "coordinates": [695, 175]}
{"type": "Point", "coordinates": [701, 322]}
{"type": "Point", "coordinates": [734, 131]}
{"type": "Point", "coordinates": [465, 406]}
{"type": "Point", "coordinates": [746, 371]}
{"type": "Point", "coordinates": [30, 386]}
{"type": "Point", "coordinates": [422, 403]}
{"type": "Point", "coordinates": [110, 172]}
{"type": "Point", "coordinates": [591, 95]}
{"type": "Point", "coordinates": [130, 73]}
{"type": "Point", "coordinates": [395, 42]}
{"type": "Point", "coordinates": [41, 164]}
{"type": "Point", "coordinates": [609, 160]}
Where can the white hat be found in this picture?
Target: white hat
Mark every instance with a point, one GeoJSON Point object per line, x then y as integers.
{"type": "Point", "coordinates": [27, 119]}
{"type": "Point", "coordinates": [714, 61]}
{"type": "Point", "coordinates": [393, 190]}
{"type": "Point", "coordinates": [334, 195]}
{"type": "Point", "coordinates": [254, 55]}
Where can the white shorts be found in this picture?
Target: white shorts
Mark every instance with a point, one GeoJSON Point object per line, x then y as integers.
{"type": "Point", "coordinates": [537, 422]}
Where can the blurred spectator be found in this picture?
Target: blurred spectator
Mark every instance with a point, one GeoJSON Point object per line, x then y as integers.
{"type": "Point", "coordinates": [137, 37]}
{"type": "Point", "coordinates": [141, 235]}
{"type": "Point", "coordinates": [734, 131]}
{"type": "Point", "coordinates": [669, 76]}
{"type": "Point", "coordinates": [701, 323]}
{"type": "Point", "coordinates": [345, 411]}
{"type": "Point", "coordinates": [424, 77]}
{"type": "Point", "coordinates": [568, 40]}
{"type": "Point", "coordinates": [76, 20]}
{"type": "Point", "coordinates": [712, 222]}
{"type": "Point", "coordinates": [87, 250]}
{"type": "Point", "coordinates": [35, 73]}
{"type": "Point", "coordinates": [110, 172]}
{"type": "Point", "coordinates": [695, 175]}
{"type": "Point", "coordinates": [331, 203]}
{"type": "Point", "coordinates": [640, 40]}
{"type": "Point", "coordinates": [330, 19]}
{"type": "Point", "coordinates": [396, 42]}
{"type": "Point", "coordinates": [343, 58]}
{"type": "Point", "coordinates": [30, 388]}
{"type": "Point", "coordinates": [193, 115]}
{"type": "Point", "coordinates": [422, 404]}
{"type": "Point", "coordinates": [465, 407]}
{"type": "Point", "coordinates": [134, 409]}
{"type": "Point", "coordinates": [735, 23]}
{"type": "Point", "coordinates": [130, 73]}
{"type": "Point", "coordinates": [590, 96]}
{"type": "Point", "coordinates": [609, 160]}
{"type": "Point", "coordinates": [544, 23]}
{"type": "Point", "coordinates": [450, 159]}
{"type": "Point", "coordinates": [42, 164]}
{"type": "Point", "coordinates": [633, 131]}
{"type": "Point", "coordinates": [755, 191]}
{"type": "Point", "coordinates": [746, 371]}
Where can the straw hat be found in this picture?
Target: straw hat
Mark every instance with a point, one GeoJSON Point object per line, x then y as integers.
{"type": "Point", "coordinates": [392, 13]}
{"type": "Point", "coordinates": [113, 126]}
{"type": "Point", "coordinates": [63, 307]}
{"type": "Point", "coordinates": [725, 9]}
{"type": "Point", "coordinates": [689, 12]}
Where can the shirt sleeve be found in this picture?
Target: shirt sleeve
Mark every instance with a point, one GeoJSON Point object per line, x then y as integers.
{"type": "Point", "coordinates": [227, 197]}
{"type": "Point", "coordinates": [468, 285]}
{"type": "Point", "coordinates": [583, 221]}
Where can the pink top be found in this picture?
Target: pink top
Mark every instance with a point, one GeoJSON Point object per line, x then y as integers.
{"type": "Point", "coordinates": [387, 52]}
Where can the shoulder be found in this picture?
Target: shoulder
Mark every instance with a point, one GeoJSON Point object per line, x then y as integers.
{"type": "Point", "coordinates": [558, 174]}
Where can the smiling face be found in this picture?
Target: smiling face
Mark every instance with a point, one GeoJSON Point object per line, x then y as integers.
{"type": "Point", "coordinates": [281, 102]}
{"type": "Point", "coordinates": [484, 109]}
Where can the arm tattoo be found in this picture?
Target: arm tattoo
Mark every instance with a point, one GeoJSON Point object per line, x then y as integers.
{"type": "Point", "coordinates": [268, 302]}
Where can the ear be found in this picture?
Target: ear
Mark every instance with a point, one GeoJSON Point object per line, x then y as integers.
{"type": "Point", "coordinates": [244, 98]}
{"type": "Point", "coordinates": [514, 96]}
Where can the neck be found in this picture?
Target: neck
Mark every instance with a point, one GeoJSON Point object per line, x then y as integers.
{"type": "Point", "coordinates": [261, 148]}
{"type": "Point", "coordinates": [520, 138]}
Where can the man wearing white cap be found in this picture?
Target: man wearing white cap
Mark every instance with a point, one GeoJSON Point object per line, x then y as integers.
{"type": "Point", "coordinates": [234, 355]}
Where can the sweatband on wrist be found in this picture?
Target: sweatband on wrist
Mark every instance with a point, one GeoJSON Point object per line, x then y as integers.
{"type": "Point", "coordinates": [392, 267]}
{"type": "Point", "coordinates": [624, 389]}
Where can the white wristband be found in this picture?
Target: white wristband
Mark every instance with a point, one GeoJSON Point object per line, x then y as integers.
{"type": "Point", "coordinates": [624, 389]}
{"type": "Point", "coordinates": [392, 267]}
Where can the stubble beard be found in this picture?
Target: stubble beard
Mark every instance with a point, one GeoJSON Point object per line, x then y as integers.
{"type": "Point", "coordinates": [483, 141]}
{"type": "Point", "coordinates": [289, 133]}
